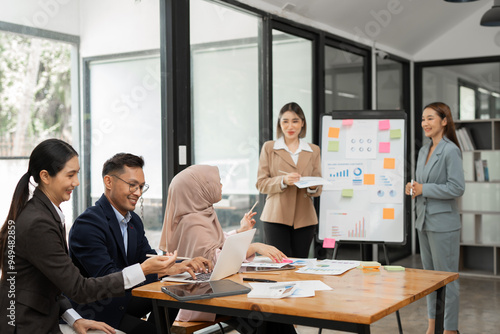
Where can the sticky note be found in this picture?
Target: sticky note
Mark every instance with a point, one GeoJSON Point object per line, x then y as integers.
{"type": "Point", "coordinates": [369, 264]}
{"type": "Point", "coordinates": [333, 132]}
{"type": "Point", "coordinates": [384, 147]}
{"type": "Point", "coordinates": [369, 179]}
{"type": "Point", "coordinates": [389, 163]}
{"type": "Point", "coordinates": [286, 261]}
{"type": "Point", "coordinates": [347, 192]}
{"type": "Point", "coordinates": [394, 268]}
{"type": "Point", "coordinates": [384, 124]}
{"type": "Point", "coordinates": [329, 243]}
{"type": "Point", "coordinates": [347, 122]}
{"type": "Point", "coordinates": [333, 146]}
{"type": "Point", "coordinates": [388, 213]}
{"type": "Point", "coordinates": [395, 134]}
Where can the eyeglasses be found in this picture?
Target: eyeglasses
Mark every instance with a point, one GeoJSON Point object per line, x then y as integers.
{"type": "Point", "coordinates": [134, 186]}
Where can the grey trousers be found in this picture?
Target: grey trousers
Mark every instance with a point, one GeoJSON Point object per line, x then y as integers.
{"type": "Point", "coordinates": [440, 251]}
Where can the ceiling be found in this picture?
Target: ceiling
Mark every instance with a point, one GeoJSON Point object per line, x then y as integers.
{"type": "Point", "coordinates": [404, 25]}
{"type": "Point", "coordinates": [401, 27]}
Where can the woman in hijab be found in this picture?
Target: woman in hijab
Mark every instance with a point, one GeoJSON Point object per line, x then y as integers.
{"type": "Point", "coordinates": [191, 225]}
{"type": "Point", "coordinates": [192, 228]}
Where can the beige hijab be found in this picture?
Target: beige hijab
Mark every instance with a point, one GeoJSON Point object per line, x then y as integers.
{"type": "Point", "coordinates": [191, 225]}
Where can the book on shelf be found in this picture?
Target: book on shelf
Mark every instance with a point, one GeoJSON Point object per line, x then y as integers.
{"type": "Point", "coordinates": [460, 139]}
{"type": "Point", "coordinates": [485, 170]}
{"type": "Point", "coordinates": [468, 139]}
{"type": "Point", "coordinates": [482, 173]}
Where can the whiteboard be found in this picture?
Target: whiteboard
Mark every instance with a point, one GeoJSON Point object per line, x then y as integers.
{"type": "Point", "coordinates": [363, 156]}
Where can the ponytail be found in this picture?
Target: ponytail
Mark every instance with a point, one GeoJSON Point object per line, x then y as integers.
{"type": "Point", "coordinates": [19, 200]}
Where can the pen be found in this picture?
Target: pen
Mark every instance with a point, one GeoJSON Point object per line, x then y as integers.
{"type": "Point", "coordinates": [248, 279]}
{"type": "Point", "coordinates": [253, 207]}
{"type": "Point", "coordinates": [178, 258]}
{"type": "Point", "coordinates": [411, 189]}
{"type": "Point", "coordinates": [281, 171]}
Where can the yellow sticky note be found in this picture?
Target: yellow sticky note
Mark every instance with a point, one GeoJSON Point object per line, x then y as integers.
{"type": "Point", "coordinates": [347, 192]}
{"type": "Point", "coordinates": [389, 163]}
{"type": "Point", "coordinates": [395, 134]}
{"type": "Point", "coordinates": [333, 132]}
{"type": "Point", "coordinates": [369, 179]}
{"type": "Point", "coordinates": [388, 213]}
{"type": "Point", "coordinates": [333, 146]}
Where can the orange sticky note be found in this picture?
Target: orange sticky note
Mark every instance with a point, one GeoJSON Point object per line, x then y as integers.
{"type": "Point", "coordinates": [347, 122]}
{"type": "Point", "coordinates": [389, 163]}
{"type": "Point", "coordinates": [384, 124]}
{"type": "Point", "coordinates": [369, 179]}
{"type": "Point", "coordinates": [333, 132]}
{"type": "Point", "coordinates": [388, 213]}
{"type": "Point", "coordinates": [384, 147]}
{"type": "Point", "coordinates": [329, 243]}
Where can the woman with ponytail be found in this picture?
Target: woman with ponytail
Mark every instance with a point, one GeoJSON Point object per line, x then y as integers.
{"type": "Point", "coordinates": [36, 268]}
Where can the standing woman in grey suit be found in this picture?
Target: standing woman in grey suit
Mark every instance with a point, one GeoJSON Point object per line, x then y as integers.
{"type": "Point", "coordinates": [439, 182]}
{"type": "Point", "coordinates": [36, 268]}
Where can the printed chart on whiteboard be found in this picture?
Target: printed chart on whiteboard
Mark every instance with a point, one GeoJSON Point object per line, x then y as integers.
{"type": "Point", "coordinates": [363, 158]}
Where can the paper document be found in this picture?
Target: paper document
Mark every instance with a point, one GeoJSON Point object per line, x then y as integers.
{"type": "Point", "coordinates": [311, 181]}
{"type": "Point", "coordinates": [263, 264]}
{"type": "Point", "coordinates": [329, 267]}
{"type": "Point", "coordinates": [278, 290]}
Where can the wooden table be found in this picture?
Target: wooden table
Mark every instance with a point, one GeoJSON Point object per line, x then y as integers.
{"type": "Point", "coordinates": [358, 298]}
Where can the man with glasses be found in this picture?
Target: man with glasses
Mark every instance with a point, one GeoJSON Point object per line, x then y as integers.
{"type": "Point", "coordinates": [109, 236]}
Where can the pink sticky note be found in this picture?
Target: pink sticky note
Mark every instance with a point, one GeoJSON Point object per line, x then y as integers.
{"type": "Point", "coordinates": [384, 124]}
{"type": "Point", "coordinates": [329, 243]}
{"type": "Point", "coordinates": [347, 122]}
{"type": "Point", "coordinates": [384, 147]}
{"type": "Point", "coordinates": [286, 261]}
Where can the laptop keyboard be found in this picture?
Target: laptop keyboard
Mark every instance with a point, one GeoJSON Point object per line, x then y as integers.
{"type": "Point", "coordinates": [200, 277]}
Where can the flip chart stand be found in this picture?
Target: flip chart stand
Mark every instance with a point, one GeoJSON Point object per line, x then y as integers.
{"type": "Point", "coordinates": [337, 246]}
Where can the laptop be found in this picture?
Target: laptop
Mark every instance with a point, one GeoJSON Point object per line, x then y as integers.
{"type": "Point", "coordinates": [231, 257]}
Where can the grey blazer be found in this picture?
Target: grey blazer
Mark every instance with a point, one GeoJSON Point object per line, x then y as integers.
{"type": "Point", "coordinates": [43, 270]}
{"type": "Point", "coordinates": [442, 180]}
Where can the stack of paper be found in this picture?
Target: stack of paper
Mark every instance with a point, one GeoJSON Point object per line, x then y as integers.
{"type": "Point", "coordinates": [287, 289]}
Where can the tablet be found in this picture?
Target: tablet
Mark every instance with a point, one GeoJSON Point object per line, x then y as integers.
{"type": "Point", "coordinates": [250, 269]}
{"type": "Point", "coordinates": [205, 290]}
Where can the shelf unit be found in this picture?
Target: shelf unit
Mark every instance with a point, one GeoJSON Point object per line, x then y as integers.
{"type": "Point", "coordinates": [480, 204]}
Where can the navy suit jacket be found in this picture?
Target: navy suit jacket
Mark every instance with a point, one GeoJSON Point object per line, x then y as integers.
{"type": "Point", "coordinates": [442, 180]}
{"type": "Point", "coordinates": [96, 248]}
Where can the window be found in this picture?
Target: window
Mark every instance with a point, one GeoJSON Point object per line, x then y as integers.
{"type": "Point", "coordinates": [292, 76]}
{"type": "Point", "coordinates": [124, 113]}
{"type": "Point", "coordinates": [344, 80]}
{"type": "Point", "coordinates": [35, 104]}
{"type": "Point", "coordinates": [225, 103]}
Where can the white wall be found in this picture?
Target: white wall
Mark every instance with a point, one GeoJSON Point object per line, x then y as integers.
{"type": "Point", "coordinates": [55, 15]}
{"type": "Point", "coordinates": [117, 26]}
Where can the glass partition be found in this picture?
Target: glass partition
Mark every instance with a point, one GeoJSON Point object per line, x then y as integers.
{"type": "Point", "coordinates": [125, 116]}
{"type": "Point", "coordinates": [292, 76]}
{"type": "Point", "coordinates": [225, 103]}
{"type": "Point", "coordinates": [344, 80]}
{"type": "Point", "coordinates": [389, 84]}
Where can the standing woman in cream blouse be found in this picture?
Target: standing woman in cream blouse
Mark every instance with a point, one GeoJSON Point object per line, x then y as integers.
{"type": "Point", "coordinates": [289, 216]}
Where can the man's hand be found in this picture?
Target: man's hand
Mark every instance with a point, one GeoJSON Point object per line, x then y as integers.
{"type": "Point", "coordinates": [196, 265]}
{"type": "Point", "coordinates": [81, 326]}
{"type": "Point", "coordinates": [158, 264]}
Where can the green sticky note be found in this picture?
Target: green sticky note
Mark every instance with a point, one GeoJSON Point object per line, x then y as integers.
{"type": "Point", "coordinates": [333, 146]}
{"type": "Point", "coordinates": [395, 134]}
{"type": "Point", "coordinates": [394, 268]}
{"type": "Point", "coordinates": [347, 192]}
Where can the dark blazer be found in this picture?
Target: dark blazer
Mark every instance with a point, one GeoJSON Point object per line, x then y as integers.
{"type": "Point", "coordinates": [96, 247]}
{"type": "Point", "coordinates": [43, 270]}
{"type": "Point", "coordinates": [442, 180]}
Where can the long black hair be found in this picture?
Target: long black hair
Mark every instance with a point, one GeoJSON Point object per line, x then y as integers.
{"type": "Point", "coordinates": [50, 155]}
